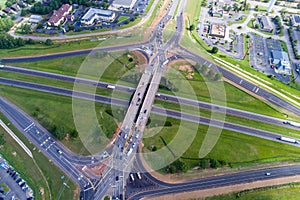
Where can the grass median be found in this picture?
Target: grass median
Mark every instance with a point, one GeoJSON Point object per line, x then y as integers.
{"type": "Point", "coordinates": [232, 149]}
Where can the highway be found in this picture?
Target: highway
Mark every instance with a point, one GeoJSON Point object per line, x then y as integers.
{"type": "Point", "coordinates": [160, 96]}
{"type": "Point", "coordinates": [219, 181]}
{"type": "Point", "coordinates": [155, 110]}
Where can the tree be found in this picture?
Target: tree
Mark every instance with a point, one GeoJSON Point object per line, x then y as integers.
{"type": "Point", "coordinates": [214, 163]}
{"type": "Point", "coordinates": [74, 133]}
{"type": "Point", "coordinates": [25, 28]}
{"type": "Point", "coordinates": [192, 27]}
{"type": "Point", "coordinates": [214, 50]}
{"type": "Point", "coordinates": [48, 42]}
{"type": "Point", "coordinates": [204, 163]}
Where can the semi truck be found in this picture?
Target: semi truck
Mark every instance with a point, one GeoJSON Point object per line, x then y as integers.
{"type": "Point", "coordinates": [291, 140]}
{"type": "Point", "coordinates": [292, 123]}
{"type": "Point", "coordinates": [112, 87]}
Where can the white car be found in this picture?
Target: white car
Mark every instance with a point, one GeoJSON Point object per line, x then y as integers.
{"type": "Point", "coordinates": [268, 174]}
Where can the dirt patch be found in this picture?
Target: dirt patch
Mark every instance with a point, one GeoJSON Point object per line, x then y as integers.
{"type": "Point", "coordinates": [42, 191]}
{"type": "Point", "coordinates": [228, 189]}
{"type": "Point", "coordinates": [141, 59]}
{"type": "Point", "coordinates": [76, 193]}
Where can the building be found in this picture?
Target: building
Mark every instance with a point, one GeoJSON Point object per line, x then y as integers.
{"type": "Point", "coordinates": [94, 15]}
{"type": "Point", "coordinates": [295, 20]}
{"type": "Point", "coordinates": [7, 10]}
{"type": "Point", "coordinates": [266, 24]}
{"type": "Point", "coordinates": [123, 4]}
{"type": "Point", "coordinates": [15, 7]}
{"type": "Point", "coordinates": [217, 30]}
{"type": "Point", "coordinates": [35, 19]}
{"type": "Point", "coordinates": [58, 16]}
{"type": "Point", "coordinates": [216, 12]}
{"type": "Point", "coordinates": [280, 62]}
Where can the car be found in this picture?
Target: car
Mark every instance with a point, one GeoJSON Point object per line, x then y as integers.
{"type": "Point", "coordinates": [117, 178]}
{"type": "Point", "coordinates": [59, 151]}
{"type": "Point", "coordinates": [268, 174]}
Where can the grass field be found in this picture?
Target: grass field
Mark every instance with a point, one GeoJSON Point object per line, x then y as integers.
{"type": "Point", "coordinates": [230, 118]}
{"type": "Point", "coordinates": [233, 148]}
{"type": "Point", "coordinates": [169, 30]}
{"type": "Point", "coordinates": [40, 49]}
{"type": "Point", "coordinates": [281, 192]}
{"type": "Point", "coordinates": [122, 18]}
{"type": "Point", "coordinates": [25, 166]}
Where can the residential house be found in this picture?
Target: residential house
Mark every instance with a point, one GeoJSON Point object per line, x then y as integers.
{"type": "Point", "coordinates": [59, 15]}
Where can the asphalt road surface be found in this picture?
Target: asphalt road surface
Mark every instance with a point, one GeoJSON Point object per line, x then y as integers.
{"type": "Point", "coordinates": [219, 181]}
{"type": "Point", "coordinates": [156, 110]}
{"type": "Point", "coordinates": [161, 96]}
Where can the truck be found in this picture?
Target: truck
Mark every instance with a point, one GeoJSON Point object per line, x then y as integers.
{"type": "Point", "coordinates": [138, 174]}
{"type": "Point", "coordinates": [132, 177]}
{"type": "Point", "coordinates": [112, 87]}
{"type": "Point", "coordinates": [129, 152]}
{"type": "Point", "coordinates": [292, 123]}
{"type": "Point", "coordinates": [291, 140]}
{"type": "Point", "coordinates": [166, 62]}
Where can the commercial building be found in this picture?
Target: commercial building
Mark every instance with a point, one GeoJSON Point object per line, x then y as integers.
{"type": "Point", "coordinates": [266, 24]}
{"type": "Point", "coordinates": [125, 4]}
{"type": "Point", "coordinates": [94, 15]}
{"type": "Point", "coordinates": [217, 30]}
{"type": "Point", "coordinates": [59, 15]}
{"type": "Point", "coordinates": [280, 62]}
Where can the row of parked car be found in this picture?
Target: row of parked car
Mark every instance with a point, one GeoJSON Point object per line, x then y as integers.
{"type": "Point", "coordinates": [18, 179]}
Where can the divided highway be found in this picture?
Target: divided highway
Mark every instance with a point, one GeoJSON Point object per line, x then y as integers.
{"type": "Point", "coordinates": [161, 96]}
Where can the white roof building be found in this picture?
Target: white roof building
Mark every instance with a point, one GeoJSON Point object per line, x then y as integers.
{"type": "Point", "coordinates": [127, 4]}
{"type": "Point", "coordinates": [94, 14]}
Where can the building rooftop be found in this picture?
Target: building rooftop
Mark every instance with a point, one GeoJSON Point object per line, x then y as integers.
{"type": "Point", "coordinates": [125, 3]}
{"type": "Point", "coordinates": [217, 30]}
{"type": "Point", "coordinates": [266, 22]}
{"type": "Point", "coordinates": [94, 11]}
{"type": "Point", "coordinates": [57, 15]}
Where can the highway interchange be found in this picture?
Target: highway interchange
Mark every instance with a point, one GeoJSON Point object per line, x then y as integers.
{"type": "Point", "coordinates": [72, 164]}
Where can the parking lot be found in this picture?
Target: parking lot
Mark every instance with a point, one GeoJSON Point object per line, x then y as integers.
{"type": "Point", "coordinates": [17, 186]}
{"type": "Point", "coordinates": [260, 55]}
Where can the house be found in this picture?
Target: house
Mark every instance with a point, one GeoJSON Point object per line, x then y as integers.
{"type": "Point", "coordinates": [125, 4]}
{"type": "Point", "coordinates": [280, 62]}
{"type": "Point", "coordinates": [58, 16]}
{"type": "Point", "coordinates": [295, 20]}
{"type": "Point", "coordinates": [35, 19]}
{"type": "Point", "coordinates": [217, 30]}
{"type": "Point", "coordinates": [7, 10]}
{"type": "Point", "coordinates": [2, 13]}
{"type": "Point", "coordinates": [266, 24]}
{"type": "Point", "coordinates": [94, 15]}
{"type": "Point", "coordinates": [15, 7]}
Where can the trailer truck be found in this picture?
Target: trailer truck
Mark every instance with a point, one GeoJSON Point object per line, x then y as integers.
{"type": "Point", "coordinates": [291, 140]}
